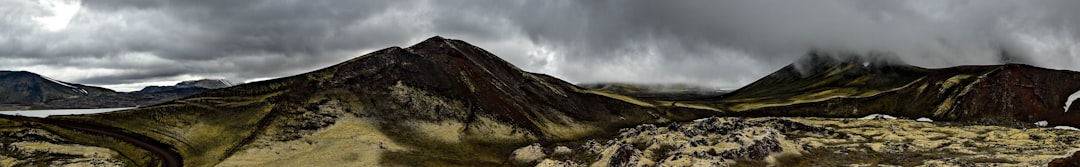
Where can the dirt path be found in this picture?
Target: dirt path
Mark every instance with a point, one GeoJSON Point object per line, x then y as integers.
{"type": "Point", "coordinates": [164, 152]}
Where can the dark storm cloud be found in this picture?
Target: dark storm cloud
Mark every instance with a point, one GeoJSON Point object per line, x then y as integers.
{"type": "Point", "coordinates": [774, 33]}
{"type": "Point", "coordinates": [232, 39]}
{"type": "Point", "coordinates": [716, 43]}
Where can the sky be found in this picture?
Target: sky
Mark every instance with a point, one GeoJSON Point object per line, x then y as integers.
{"type": "Point", "coordinates": [128, 44]}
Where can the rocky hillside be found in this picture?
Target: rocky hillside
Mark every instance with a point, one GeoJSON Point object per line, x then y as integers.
{"type": "Point", "coordinates": [850, 86]}
{"type": "Point", "coordinates": [439, 102]}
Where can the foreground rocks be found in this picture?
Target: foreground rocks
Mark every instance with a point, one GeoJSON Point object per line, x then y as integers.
{"type": "Point", "coordinates": [38, 147]}
{"type": "Point", "coordinates": [819, 142]}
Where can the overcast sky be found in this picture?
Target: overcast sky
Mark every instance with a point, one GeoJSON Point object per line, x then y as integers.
{"type": "Point", "coordinates": [128, 44]}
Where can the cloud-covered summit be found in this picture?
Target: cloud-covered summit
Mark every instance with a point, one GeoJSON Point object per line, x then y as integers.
{"type": "Point", "coordinates": [126, 44]}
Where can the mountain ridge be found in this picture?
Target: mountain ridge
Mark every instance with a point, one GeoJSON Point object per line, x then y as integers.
{"type": "Point", "coordinates": [1005, 94]}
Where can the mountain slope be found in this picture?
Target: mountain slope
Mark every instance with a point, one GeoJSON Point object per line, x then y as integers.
{"type": "Point", "coordinates": [21, 87]}
{"type": "Point", "coordinates": [439, 102]}
{"type": "Point", "coordinates": [852, 87]}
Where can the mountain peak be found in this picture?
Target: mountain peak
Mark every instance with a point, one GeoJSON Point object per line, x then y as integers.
{"type": "Point", "coordinates": [818, 61]}
{"type": "Point", "coordinates": [436, 38]}
{"type": "Point", "coordinates": [432, 42]}
{"type": "Point", "coordinates": [438, 42]}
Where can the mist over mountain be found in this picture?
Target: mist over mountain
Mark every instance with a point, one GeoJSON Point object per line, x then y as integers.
{"type": "Point", "coordinates": [846, 85]}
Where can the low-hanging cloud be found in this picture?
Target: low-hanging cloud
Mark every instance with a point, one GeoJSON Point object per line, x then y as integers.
{"type": "Point", "coordinates": [714, 43]}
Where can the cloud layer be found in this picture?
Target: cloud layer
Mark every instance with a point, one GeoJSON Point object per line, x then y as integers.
{"type": "Point", "coordinates": [126, 44]}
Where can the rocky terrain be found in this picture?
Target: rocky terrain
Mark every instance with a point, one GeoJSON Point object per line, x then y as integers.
{"type": "Point", "coordinates": [25, 143]}
{"type": "Point", "coordinates": [23, 90]}
{"type": "Point", "coordinates": [786, 141]}
{"type": "Point", "coordinates": [445, 102]}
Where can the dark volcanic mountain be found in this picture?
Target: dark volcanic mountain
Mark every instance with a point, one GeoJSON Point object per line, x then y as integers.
{"type": "Point", "coordinates": [850, 86]}
{"type": "Point", "coordinates": [439, 102]}
{"type": "Point", "coordinates": [21, 90]}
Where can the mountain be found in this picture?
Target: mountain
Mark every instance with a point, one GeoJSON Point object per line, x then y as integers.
{"type": "Point", "coordinates": [192, 85]}
{"type": "Point", "coordinates": [21, 90]}
{"type": "Point", "coordinates": [439, 102]}
{"type": "Point", "coordinates": [825, 85]}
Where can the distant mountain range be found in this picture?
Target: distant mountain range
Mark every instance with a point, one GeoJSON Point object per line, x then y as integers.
{"type": "Point", "coordinates": [24, 90]}
{"type": "Point", "coordinates": [853, 86]}
{"type": "Point", "coordinates": [202, 84]}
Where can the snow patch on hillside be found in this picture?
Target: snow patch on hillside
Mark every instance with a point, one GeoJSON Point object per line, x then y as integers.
{"type": "Point", "coordinates": [1066, 128]}
{"type": "Point", "coordinates": [1071, 98]}
{"type": "Point", "coordinates": [73, 88]}
{"type": "Point", "coordinates": [924, 119]}
{"type": "Point", "coordinates": [877, 117]}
